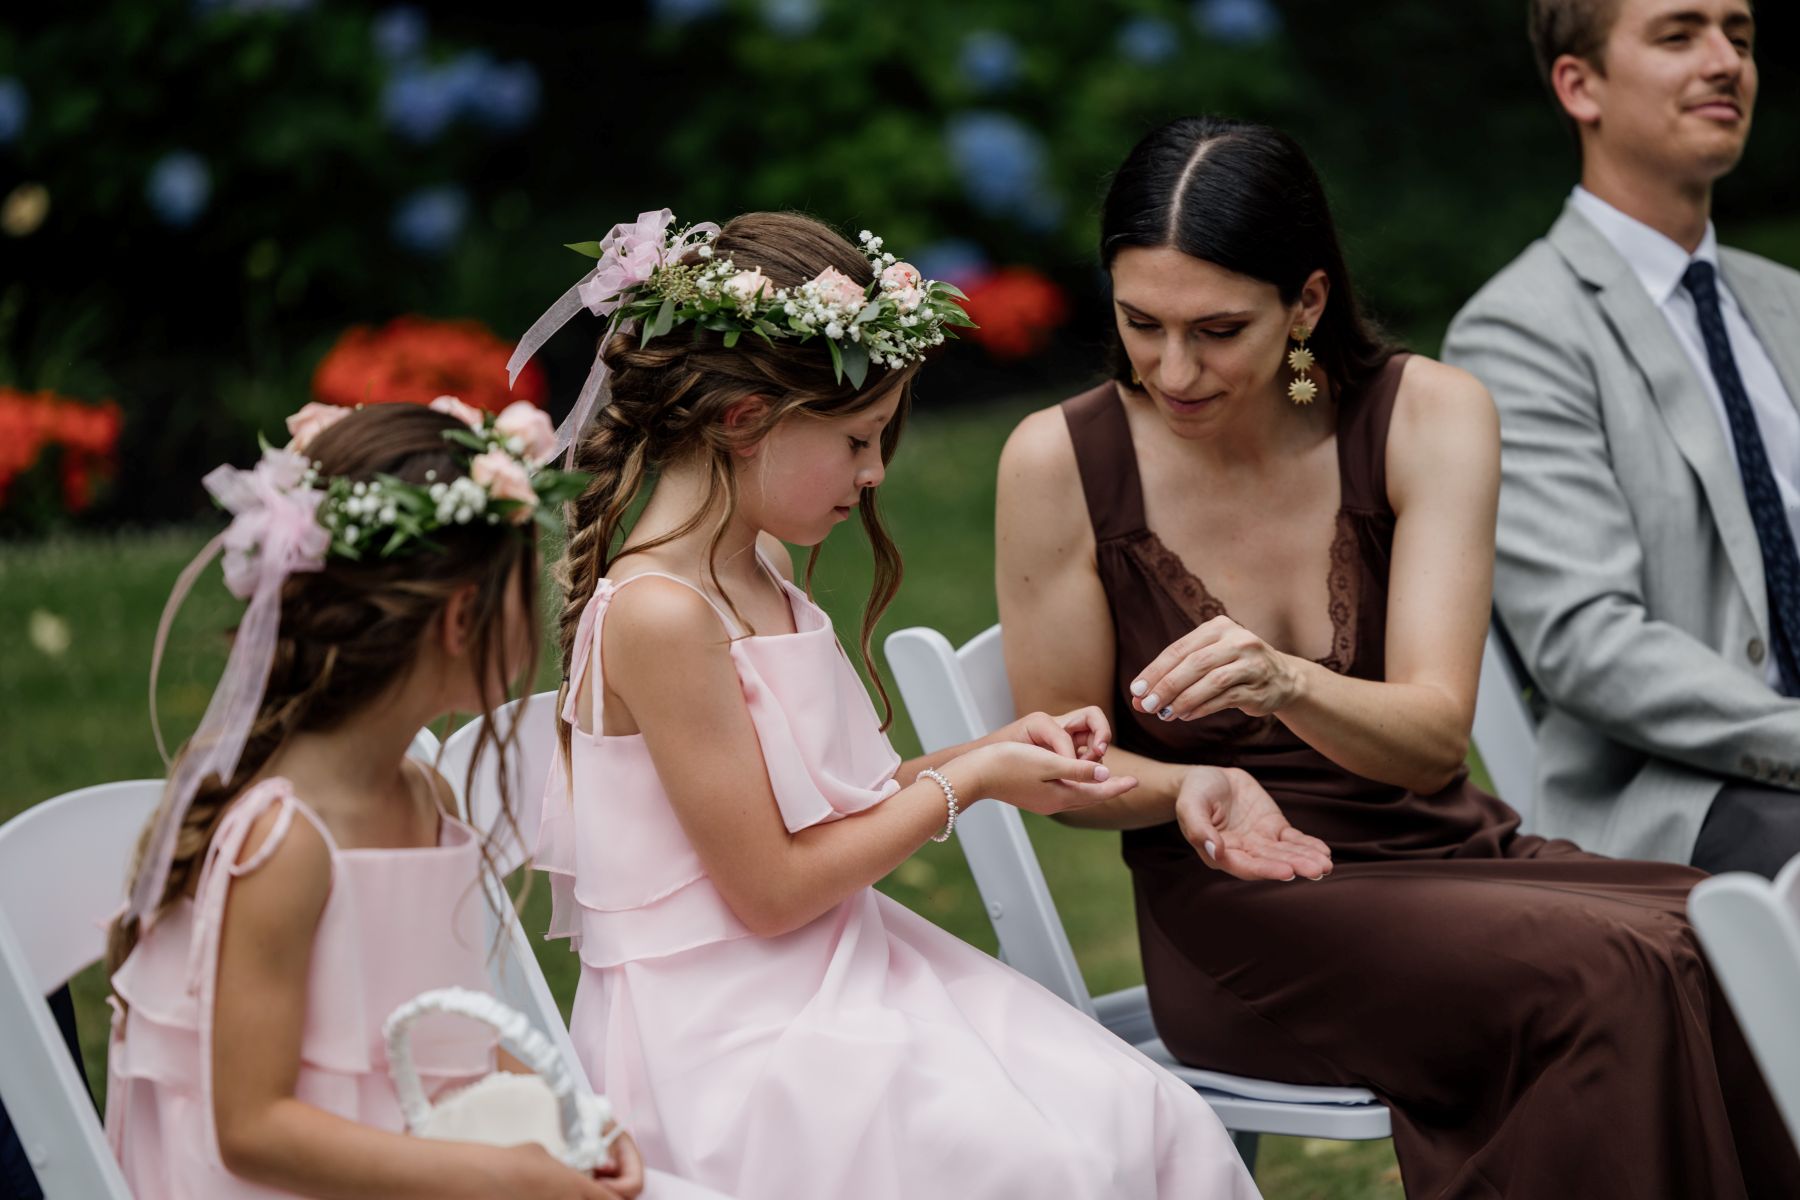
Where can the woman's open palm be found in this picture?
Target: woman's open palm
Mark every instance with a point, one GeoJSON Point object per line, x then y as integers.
{"type": "Point", "coordinates": [1239, 829]}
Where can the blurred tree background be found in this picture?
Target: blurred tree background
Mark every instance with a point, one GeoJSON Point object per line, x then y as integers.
{"type": "Point", "coordinates": [202, 196]}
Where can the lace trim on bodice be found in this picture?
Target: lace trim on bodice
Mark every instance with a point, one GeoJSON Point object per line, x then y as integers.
{"type": "Point", "coordinates": [1198, 603]}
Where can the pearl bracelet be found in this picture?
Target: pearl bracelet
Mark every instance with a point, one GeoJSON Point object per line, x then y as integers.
{"type": "Point", "coordinates": [949, 799]}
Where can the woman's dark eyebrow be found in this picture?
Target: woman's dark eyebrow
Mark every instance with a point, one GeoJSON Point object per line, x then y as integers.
{"type": "Point", "coordinates": [1135, 311]}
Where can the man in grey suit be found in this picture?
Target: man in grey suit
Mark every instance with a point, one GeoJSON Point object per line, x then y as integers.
{"type": "Point", "coordinates": [1647, 382]}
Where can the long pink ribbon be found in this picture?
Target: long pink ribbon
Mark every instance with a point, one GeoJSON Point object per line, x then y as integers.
{"type": "Point", "coordinates": [274, 533]}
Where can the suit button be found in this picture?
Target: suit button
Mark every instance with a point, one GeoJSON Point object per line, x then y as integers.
{"type": "Point", "coordinates": [1755, 651]}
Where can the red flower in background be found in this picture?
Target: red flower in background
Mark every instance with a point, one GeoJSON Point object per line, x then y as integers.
{"type": "Point", "coordinates": [414, 360]}
{"type": "Point", "coordinates": [1017, 310]}
{"type": "Point", "coordinates": [87, 435]}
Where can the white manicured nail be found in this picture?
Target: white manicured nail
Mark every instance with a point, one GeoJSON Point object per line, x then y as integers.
{"type": "Point", "coordinates": [1139, 687]}
{"type": "Point", "coordinates": [1211, 850]}
{"type": "Point", "coordinates": [1101, 774]}
{"type": "Point", "coordinates": [1149, 703]}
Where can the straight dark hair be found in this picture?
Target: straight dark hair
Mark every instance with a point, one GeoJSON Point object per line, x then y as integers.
{"type": "Point", "coordinates": [1244, 197]}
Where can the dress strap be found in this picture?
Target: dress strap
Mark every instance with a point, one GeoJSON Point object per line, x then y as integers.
{"type": "Point", "coordinates": [584, 658]}
{"type": "Point", "coordinates": [220, 868]}
{"type": "Point", "coordinates": [1107, 462]}
{"type": "Point", "coordinates": [1363, 422]}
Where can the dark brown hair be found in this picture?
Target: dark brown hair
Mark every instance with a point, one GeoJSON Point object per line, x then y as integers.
{"type": "Point", "coordinates": [354, 628]}
{"type": "Point", "coordinates": [1578, 27]}
{"type": "Point", "coordinates": [669, 401]}
{"type": "Point", "coordinates": [1244, 197]}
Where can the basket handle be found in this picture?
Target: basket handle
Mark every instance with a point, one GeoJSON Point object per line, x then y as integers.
{"type": "Point", "coordinates": [584, 1115]}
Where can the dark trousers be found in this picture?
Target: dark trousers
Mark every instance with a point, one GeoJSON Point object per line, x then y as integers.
{"type": "Point", "coordinates": [1749, 828]}
{"type": "Point", "coordinates": [16, 1179]}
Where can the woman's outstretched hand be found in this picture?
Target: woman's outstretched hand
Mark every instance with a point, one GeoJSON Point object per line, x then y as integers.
{"type": "Point", "coordinates": [1238, 829]}
{"type": "Point", "coordinates": [1220, 665]}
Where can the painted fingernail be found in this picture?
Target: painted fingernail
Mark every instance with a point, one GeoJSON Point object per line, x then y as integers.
{"type": "Point", "coordinates": [1148, 703]}
{"type": "Point", "coordinates": [1212, 851]}
{"type": "Point", "coordinates": [1165, 712]}
{"type": "Point", "coordinates": [1139, 687]}
{"type": "Point", "coordinates": [1315, 878]}
{"type": "Point", "coordinates": [1101, 774]}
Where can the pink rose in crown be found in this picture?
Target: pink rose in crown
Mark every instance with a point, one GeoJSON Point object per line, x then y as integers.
{"type": "Point", "coordinates": [834, 287]}
{"type": "Point", "coordinates": [504, 479]}
{"type": "Point", "coordinates": [744, 286]}
{"type": "Point", "coordinates": [468, 414]}
{"type": "Point", "coordinates": [908, 299]}
{"type": "Point", "coordinates": [531, 426]}
{"type": "Point", "coordinates": [312, 419]}
{"type": "Point", "coordinates": [902, 276]}
{"type": "Point", "coordinates": [629, 255]}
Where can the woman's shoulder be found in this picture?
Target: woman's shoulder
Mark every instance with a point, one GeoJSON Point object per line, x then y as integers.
{"type": "Point", "coordinates": [1434, 398]}
{"type": "Point", "coordinates": [1443, 417]}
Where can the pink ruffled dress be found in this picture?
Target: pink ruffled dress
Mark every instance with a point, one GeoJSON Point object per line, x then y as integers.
{"type": "Point", "coordinates": [868, 1054]}
{"type": "Point", "coordinates": [396, 923]}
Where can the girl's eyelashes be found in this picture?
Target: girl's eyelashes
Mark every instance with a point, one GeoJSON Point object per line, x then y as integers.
{"type": "Point", "coordinates": [1142, 325]}
{"type": "Point", "coordinates": [859, 444]}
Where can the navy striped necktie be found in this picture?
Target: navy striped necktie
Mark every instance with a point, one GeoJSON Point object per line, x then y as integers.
{"type": "Point", "coordinates": [1781, 564]}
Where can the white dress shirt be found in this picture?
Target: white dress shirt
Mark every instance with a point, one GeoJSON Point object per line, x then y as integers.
{"type": "Point", "coordinates": [1659, 263]}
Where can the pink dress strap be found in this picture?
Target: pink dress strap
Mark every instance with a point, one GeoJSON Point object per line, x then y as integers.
{"type": "Point", "coordinates": [219, 869]}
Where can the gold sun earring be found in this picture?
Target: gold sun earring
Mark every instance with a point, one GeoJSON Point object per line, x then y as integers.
{"type": "Point", "coordinates": [1135, 381]}
{"type": "Point", "coordinates": [1300, 360]}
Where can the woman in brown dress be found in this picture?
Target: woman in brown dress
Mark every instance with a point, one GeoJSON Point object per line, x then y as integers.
{"type": "Point", "coordinates": [1284, 589]}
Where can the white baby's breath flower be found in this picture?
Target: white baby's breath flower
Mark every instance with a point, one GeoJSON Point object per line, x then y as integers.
{"type": "Point", "coordinates": [834, 331]}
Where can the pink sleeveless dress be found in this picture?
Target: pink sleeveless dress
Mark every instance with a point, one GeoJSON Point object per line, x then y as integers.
{"type": "Point", "coordinates": [868, 1054]}
{"type": "Point", "coordinates": [396, 923]}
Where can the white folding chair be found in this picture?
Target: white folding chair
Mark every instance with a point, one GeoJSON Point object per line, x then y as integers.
{"type": "Point", "coordinates": [1505, 733]}
{"type": "Point", "coordinates": [1750, 929]}
{"type": "Point", "coordinates": [518, 981]}
{"type": "Point", "coordinates": [62, 874]}
{"type": "Point", "coordinates": [955, 696]}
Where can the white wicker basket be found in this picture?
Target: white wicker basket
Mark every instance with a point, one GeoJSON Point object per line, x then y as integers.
{"type": "Point", "coordinates": [504, 1108]}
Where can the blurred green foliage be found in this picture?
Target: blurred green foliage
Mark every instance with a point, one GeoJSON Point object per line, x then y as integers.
{"type": "Point", "coordinates": [231, 183]}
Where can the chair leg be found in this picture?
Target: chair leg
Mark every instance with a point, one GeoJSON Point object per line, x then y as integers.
{"type": "Point", "coordinates": [1246, 1147]}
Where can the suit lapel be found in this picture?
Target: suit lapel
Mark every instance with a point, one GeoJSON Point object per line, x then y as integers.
{"type": "Point", "coordinates": [1679, 394]}
{"type": "Point", "coordinates": [1770, 313]}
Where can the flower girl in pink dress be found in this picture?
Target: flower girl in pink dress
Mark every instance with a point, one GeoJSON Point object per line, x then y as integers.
{"type": "Point", "coordinates": [303, 877]}
{"type": "Point", "coordinates": [774, 1026]}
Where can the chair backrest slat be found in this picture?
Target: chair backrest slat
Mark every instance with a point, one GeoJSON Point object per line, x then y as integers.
{"type": "Point", "coordinates": [952, 699]}
{"type": "Point", "coordinates": [1750, 929]}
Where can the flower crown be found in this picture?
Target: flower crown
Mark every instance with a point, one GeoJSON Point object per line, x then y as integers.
{"type": "Point", "coordinates": [642, 276]}
{"type": "Point", "coordinates": [507, 481]}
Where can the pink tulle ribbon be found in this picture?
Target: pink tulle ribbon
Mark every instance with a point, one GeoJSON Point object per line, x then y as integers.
{"type": "Point", "coordinates": [629, 254]}
{"type": "Point", "coordinates": [274, 532]}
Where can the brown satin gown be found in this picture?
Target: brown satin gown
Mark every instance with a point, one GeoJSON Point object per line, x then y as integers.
{"type": "Point", "coordinates": [1539, 1019]}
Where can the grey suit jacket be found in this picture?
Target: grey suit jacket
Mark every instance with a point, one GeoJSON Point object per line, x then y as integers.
{"type": "Point", "coordinates": [1628, 570]}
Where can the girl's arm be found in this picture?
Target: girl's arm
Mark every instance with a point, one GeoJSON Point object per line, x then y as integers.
{"type": "Point", "coordinates": [669, 675]}
{"type": "Point", "coordinates": [1412, 728]}
{"type": "Point", "coordinates": [268, 1136]}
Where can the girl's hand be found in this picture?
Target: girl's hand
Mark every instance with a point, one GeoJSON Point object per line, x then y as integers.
{"type": "Point", "coordinates": [529, 1170]}
{"type": "Point", "coordinates": [625, 1173]}
{"type": "Point", "coordinates": [1039, 780]}
{"type": "Point", "coordinates": [1237, 828]}
{"type": "Point", "coordinates": [1084, 733]}
{"type": "Point", "coordinates": [1217, 666]}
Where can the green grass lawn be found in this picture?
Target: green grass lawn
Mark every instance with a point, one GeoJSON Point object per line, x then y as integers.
{"type": "Point", "coordinates": [78, 615]}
